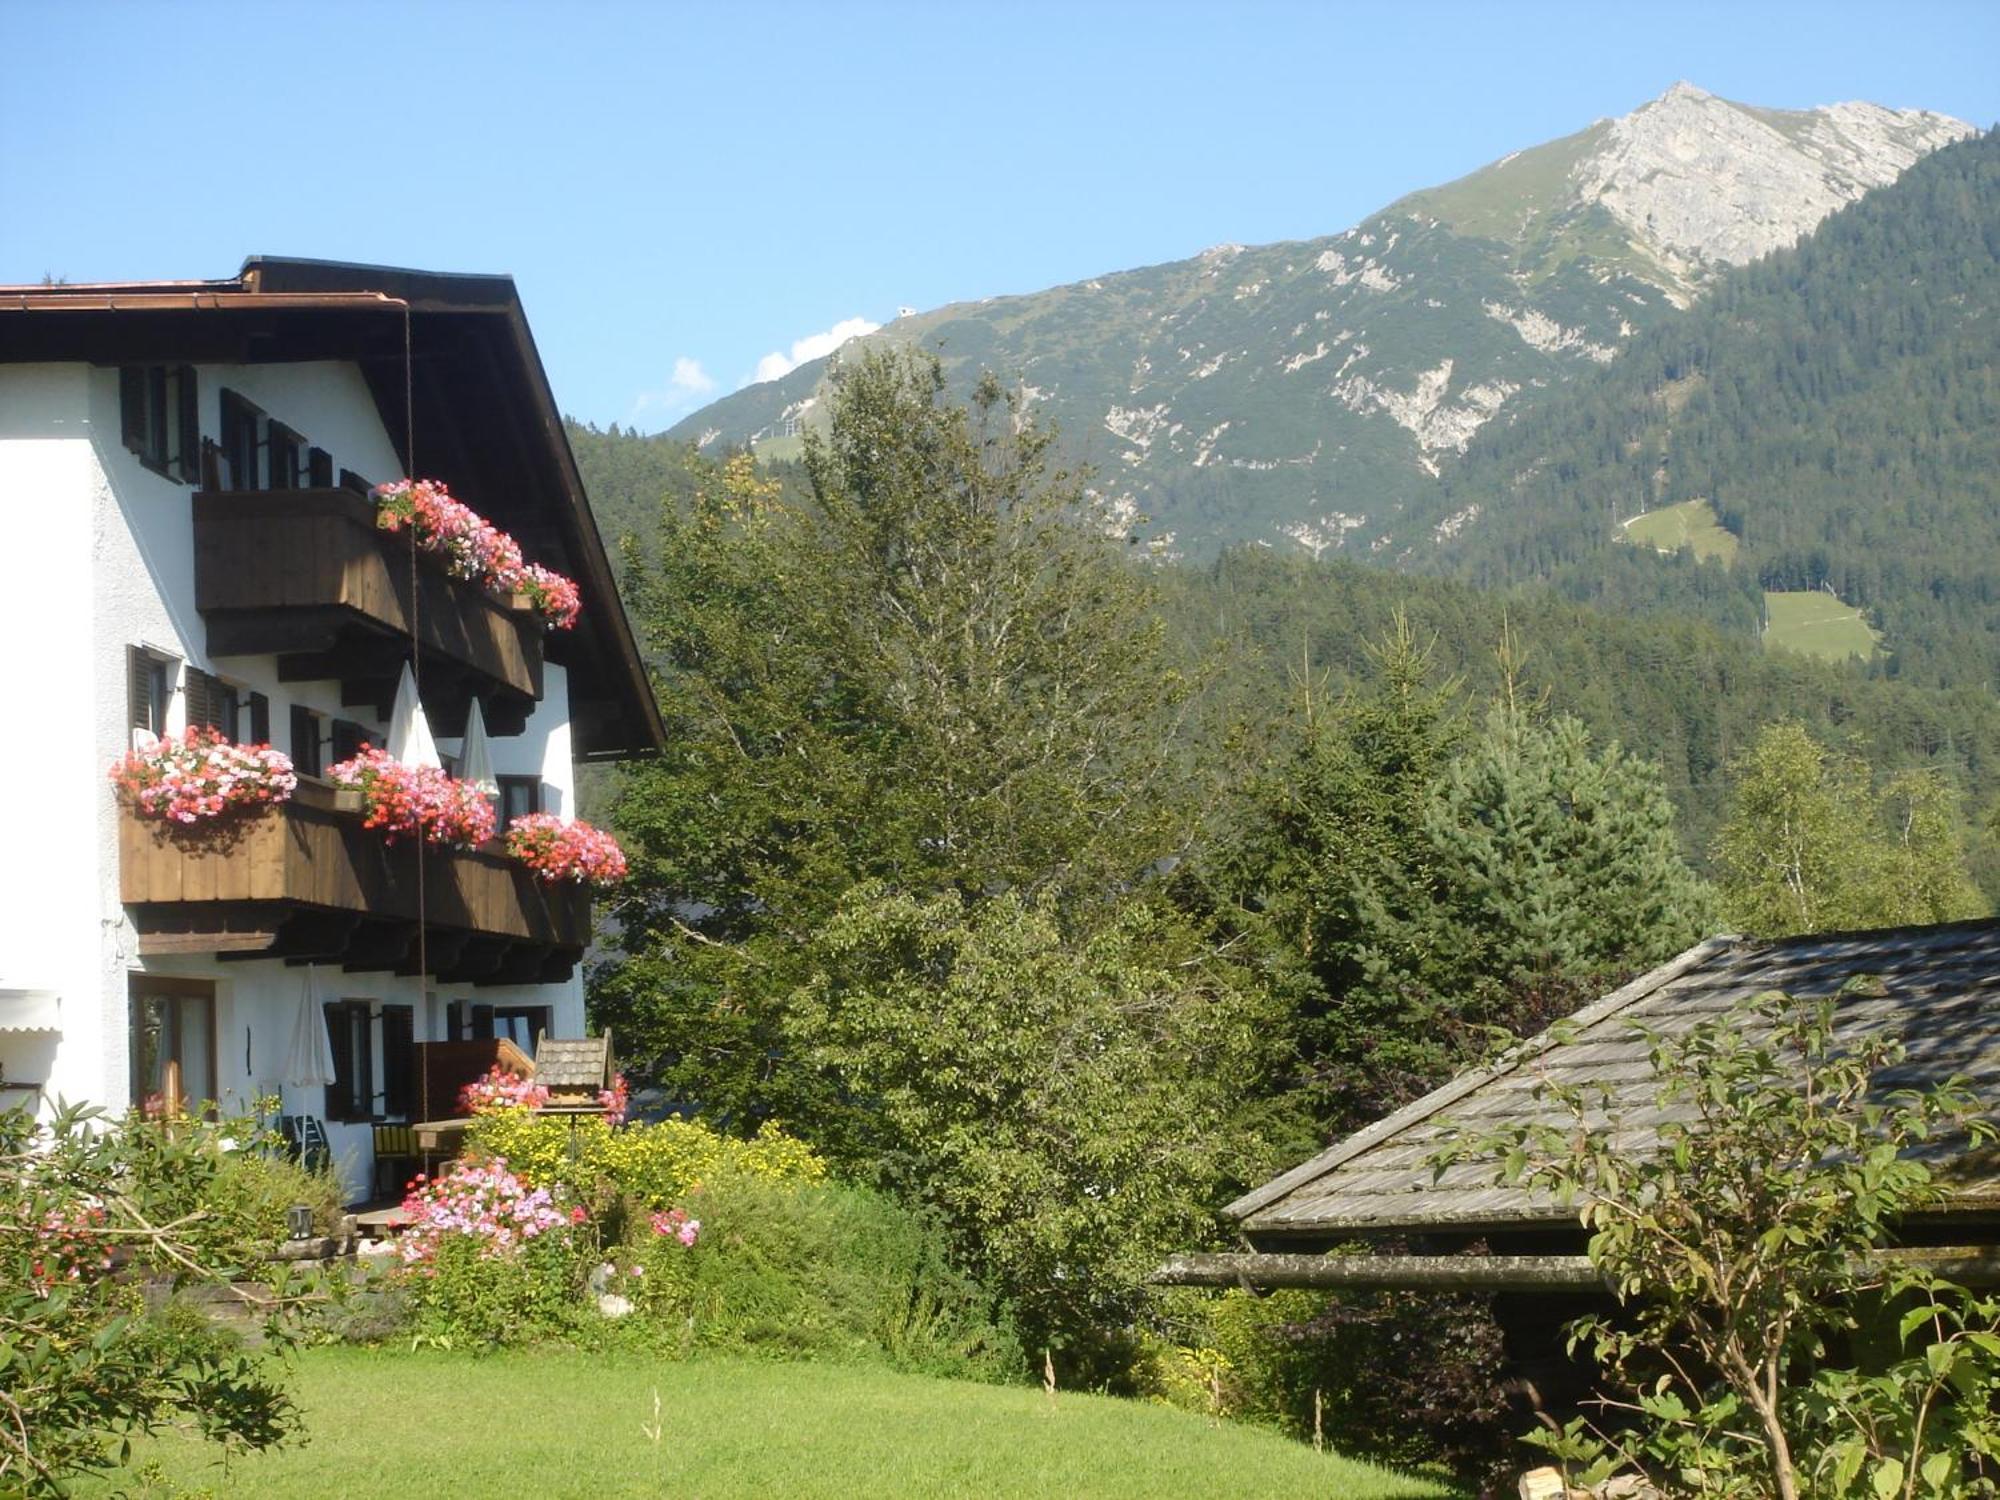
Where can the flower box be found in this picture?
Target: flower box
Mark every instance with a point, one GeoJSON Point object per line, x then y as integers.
{"type": "Point", "coordinates": [201, 777]}
{"type": "Point", "coordinates": [472, 547]}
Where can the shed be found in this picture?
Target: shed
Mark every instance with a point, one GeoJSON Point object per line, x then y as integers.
{"type": "Point", "coordinates": [1936, 988]}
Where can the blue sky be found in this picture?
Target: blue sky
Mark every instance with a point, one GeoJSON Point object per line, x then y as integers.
{"type": "Point", "coordinates": [684, 192]}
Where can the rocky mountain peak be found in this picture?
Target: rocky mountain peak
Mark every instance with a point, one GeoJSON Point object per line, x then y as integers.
{"type": "Point", "coordinates": [1702, 182]}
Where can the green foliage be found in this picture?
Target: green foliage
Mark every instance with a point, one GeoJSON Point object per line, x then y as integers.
{"type": "Point", "coordinates": [251, 1190]}
{"type": "Point", "coordinates": [1812, 846]}
{"type": "Point", "coordinates": [1403, 1378]}
{"type": "Point", "coordinates": [924, 672]}
{"type": "Point", "coordinates": [89, 1211]}
{"type": "Point", "coordinates": [465, 1298]}
{"type": "Point", "coordinates": [1429, 884]}
{"type": "Point", "coordinates": [1738, 1244]}
{"type": "Point", "coordinates": [1069, 1102]}
{"type": "Point", "coordinates": [814, 1270]}
{"type": "Point", "coordinates": [655, 1165]}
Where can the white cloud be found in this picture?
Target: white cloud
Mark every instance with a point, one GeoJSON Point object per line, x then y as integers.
{"type": "Point", "coordinates": [686, 386]}
{"type": "Point", "coordinates": [812, 346]}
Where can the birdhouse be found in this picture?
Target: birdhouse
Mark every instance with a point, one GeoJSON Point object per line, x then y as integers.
{"type": "Point", "coordinates": [575, 1071]}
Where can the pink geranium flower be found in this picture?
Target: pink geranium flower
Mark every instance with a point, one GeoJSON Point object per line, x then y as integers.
{"type": "Point", "coordinates": [473, 548]}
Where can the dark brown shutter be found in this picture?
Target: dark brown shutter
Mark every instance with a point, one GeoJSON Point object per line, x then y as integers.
{"type": "Point", "coordinates": [349, 480]}
{"type": "Point", "coordinates": [138, 688]}
{"type": "Point", "coordinates": [340, 1093]}
{"type": "Point", "coordinates": [305, 741]}
{"type": "Point", "coordinates": [187, 423]}
{"type": "Point", "coordinates": [399, 1060]}
{"type": "Point", "coordinates": [201, 695]}
{"type": "Point", "coordinates": [319, 469]}
{"type": "Point", "coordinates": [482, 1022]}
{"type": "Point", "coordinates": [132, 406]}
{"type": "Point", "coordinates": [260, 719]}
{"type": "Point", "coordinates": [348, 738]}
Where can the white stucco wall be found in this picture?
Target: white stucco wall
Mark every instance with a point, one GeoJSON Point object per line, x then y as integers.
{"type": "Point", "coordinates": [110, 563]}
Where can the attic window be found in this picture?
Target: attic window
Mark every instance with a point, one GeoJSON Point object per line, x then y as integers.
{"type": "Point", "coordinates": [159, 416]}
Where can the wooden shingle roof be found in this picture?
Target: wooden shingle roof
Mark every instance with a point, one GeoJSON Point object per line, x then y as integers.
{"type": "Point", "coordinates": [1938, 991]}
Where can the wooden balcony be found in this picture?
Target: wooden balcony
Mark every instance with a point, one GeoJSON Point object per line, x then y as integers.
{"type": "Point", "coordinates": [306, 574]}
{"type": "Point", "coordinates": [304, 881]}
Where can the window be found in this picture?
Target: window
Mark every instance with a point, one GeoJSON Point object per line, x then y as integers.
{"type": "Point", "coordinates": [173, 1041]}
{"type": "Point", "coordinates": [212, 702]}
{"type": "Point", "coordinates": [522, 1025]}
{"type": "Point", "coordinates": [242, 443]}
{"type": "Point", "coordinates": [258, 730]}
{"type": "Point", "coordinates": [148, 688]}
{"type": "Point", "coordinates": [519, 796]}
{"type": "Point", "coordinates": [306, 738]}
{"type": "Point", "coordinates": [284, 458]}
{"type": "Point", "coordinates": [399, 1061]}
{"type": "Point", "coordinates": [351, 1095]}
{"type": "Point", "coordinates": [159, 414]}
{"type": "Point", "coordinates": [348, 738]}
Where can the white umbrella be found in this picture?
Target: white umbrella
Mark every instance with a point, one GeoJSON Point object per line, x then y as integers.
{"type": "Point", "coordinates": [309, 1063]}
{"type": "Point", "coordinates": [409, 731]}
{"type": "Point", "coordinates": [475, 757]}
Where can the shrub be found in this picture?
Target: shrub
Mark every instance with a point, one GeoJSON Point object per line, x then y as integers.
{"type": "Point", "coordinates": [252, 1188]}
{"type": "Point", "coordinates": [88, 1215]}
{"type": "Point", "coordinates": [812, 1268]}
{"type": "Point", "coordinates": [1401, 1377]}
{"type": "Point", "coordinates": [488, 1259]}
{"type": "Point", "coordinates": [656, 1166]}
{"type": "Point", "coordinates": [1741, 1247]}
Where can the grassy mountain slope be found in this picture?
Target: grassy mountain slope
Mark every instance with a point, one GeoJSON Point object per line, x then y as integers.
{"type": "Point", "coordinates": [1838, 405]}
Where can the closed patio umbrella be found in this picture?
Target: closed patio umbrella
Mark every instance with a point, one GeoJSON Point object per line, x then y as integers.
{"type": "Point", "coordinates": [309, 1062]}
{"type": "Point", "coordinates": [475, 756]}
{"type": "Point", "coordinates": [409, 731]}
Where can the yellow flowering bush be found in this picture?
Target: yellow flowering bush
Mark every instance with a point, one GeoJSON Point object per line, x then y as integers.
{"type": "Point", "coordinates": [654, 1165]}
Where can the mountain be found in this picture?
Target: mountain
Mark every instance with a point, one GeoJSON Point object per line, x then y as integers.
{"type": "Point", "coordinates": [1312, 393]}
{"type": "Point", "coordinates": [1833, 411]}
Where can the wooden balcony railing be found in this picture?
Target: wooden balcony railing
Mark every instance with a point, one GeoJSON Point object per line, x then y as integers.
{"type": "Point", "coordinates": [306, 574]}
{"type": "Point", "coordinates": [305, 881]}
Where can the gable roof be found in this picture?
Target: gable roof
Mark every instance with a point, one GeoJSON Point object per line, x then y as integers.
{"type": "Point", "coordinates": [485, 419]}
{"type": "Point", "coordinates": [1939, 992]}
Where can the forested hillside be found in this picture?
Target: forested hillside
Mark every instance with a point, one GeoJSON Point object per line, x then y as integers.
{"type": "Point", "coordinates": [1685, 692]}
{"type": "Point", "coordinates": [1837, 403]}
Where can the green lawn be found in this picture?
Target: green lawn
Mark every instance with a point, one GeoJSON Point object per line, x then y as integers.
{"type": "Point", "coordinates": [1817, 624]}
{"type": "Point", "coordinates": [437, 1425]}
{"type": "Point", "coordinates": [1690, 524]}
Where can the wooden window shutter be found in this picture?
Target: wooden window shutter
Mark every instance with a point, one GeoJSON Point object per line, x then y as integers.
{"type": "Point", "coordinates": [482, 1021]}
{"type": "Point", "coordinates": [399, 1060]}
{"type": "Point", "coordinates": [305, 741]}
{"type": "Point", "coordinates": [348, 738]}
{"type": "Point", "coordinates": [132, 406]}
{"type": "Point", "coordinates": [340, 1093]}
{"type": "Point", "coordinates": [260, 719]}
{"type": "Point", "coordinates": [202, 696]}
{"type": "Point", "coordinates": [187, 424]}
{"type": "Point", "coordinates": [319, 469]}
{"type": "Point", "coordinates": [138, 688]}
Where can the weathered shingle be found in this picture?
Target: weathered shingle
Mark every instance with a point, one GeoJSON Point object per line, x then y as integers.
{"type": "Point", "coordinates": [1936, 988]}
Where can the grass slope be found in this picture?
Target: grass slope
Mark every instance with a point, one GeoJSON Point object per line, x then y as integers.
{"type": "Point", "coordinates": [1817, 624]}
{"type": "Point", "coordinates": [1691, 524]}
{"type": "Point", "coordinates": [560, 1424]}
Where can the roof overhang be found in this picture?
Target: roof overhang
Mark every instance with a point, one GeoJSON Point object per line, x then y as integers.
{"type": "Point", "coordinates": [449, 359]}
